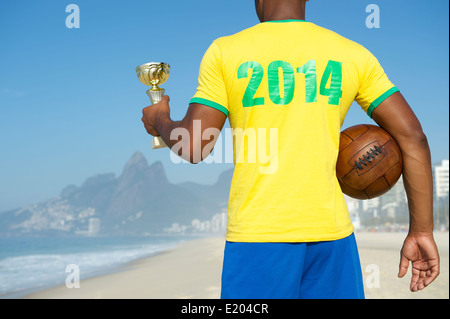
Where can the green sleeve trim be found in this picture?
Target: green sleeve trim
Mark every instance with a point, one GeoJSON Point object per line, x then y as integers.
{"type": "Point", "coordinates": [378, 101]}
{"type": "Point", "coordinates": [209, 103]}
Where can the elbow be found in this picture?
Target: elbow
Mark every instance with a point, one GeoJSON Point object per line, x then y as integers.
{"type": "Point", "coordinates": [418, 137]}
{"type": "Point", "coordinates": [194, 149]}
{"type": "Point", "coordinates": [194, 160]}
{"type": "Point", "coordinates": [189, 151]}
{"type": "Point", "coordinates": [199, 151]}
{"type": "Point", "coordinates": [412, 139]}
{"type": "Point", "coordinates": [195, 154]}
{"type": "Point", "coordinates": [422, 139]}
{"type": "Point", "coordinates": [190, 157]}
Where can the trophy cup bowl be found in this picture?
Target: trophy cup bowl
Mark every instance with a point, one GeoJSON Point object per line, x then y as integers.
{"type": "Point", "coordinates": [154, 74]}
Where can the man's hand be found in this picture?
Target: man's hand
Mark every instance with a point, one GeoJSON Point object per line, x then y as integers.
{"type": "Point", "coordinates": [421, 250]}
{"type": "Point", "coordinates": [152, 113]}
{"type": "Point", "coordinates": [157, 122]}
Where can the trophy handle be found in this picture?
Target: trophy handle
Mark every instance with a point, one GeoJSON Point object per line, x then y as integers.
{"type": "Point", "coordinates": [156, 96]}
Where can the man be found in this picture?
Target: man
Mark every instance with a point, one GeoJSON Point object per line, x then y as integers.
{"type": "Point", "coordinates": [289, 234]}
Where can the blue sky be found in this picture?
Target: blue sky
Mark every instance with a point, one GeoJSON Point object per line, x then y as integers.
{"type": "Point", "coordinates": [70, 102]}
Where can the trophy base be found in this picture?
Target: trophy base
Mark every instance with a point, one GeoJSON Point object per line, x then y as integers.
{"type": "Point", "coordinates": [158, 142]}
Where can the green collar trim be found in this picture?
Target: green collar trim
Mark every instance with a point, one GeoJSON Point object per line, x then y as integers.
{"type": "Point", "coordinates": [282, 21]}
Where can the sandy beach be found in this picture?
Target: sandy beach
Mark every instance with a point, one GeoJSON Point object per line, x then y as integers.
{"type": "Point", "coordinates": [193, 269]}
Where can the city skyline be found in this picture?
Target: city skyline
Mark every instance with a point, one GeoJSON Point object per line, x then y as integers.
{"type": "Point", "coordinates": [391, 209]}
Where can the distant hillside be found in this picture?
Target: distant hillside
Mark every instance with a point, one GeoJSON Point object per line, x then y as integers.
{"type": "Point", "coordinates": [141, 200]}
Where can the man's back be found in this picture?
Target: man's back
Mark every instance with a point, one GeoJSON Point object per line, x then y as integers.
{"type": "Point", "coordinates": [288, 85]}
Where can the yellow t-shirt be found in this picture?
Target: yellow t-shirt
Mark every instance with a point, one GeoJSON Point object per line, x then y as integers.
{"type": "Point", "coordinates": [286, 87]}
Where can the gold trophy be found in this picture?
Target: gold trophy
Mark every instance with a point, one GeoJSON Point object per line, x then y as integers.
{"type": "Point", "coordinates": [154, 74]}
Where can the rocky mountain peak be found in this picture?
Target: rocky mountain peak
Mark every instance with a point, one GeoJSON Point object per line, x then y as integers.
{"type": "Point", "coordinates": [136, 162]}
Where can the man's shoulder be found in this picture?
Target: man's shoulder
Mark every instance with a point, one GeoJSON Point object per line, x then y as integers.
{"type": "Point", "coordinates": [336, 37]}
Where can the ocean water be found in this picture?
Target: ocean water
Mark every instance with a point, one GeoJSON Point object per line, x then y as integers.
{"type": "Point", "coordinates": [32, 264]}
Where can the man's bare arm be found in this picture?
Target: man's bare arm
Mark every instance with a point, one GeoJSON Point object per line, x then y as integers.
{"type": "Point", "coordinates": [396, 117]}
{"type": "Point", "coordinates": [157, 121]}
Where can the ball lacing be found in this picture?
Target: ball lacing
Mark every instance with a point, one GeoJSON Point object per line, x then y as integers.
{"type": "Point", "coordinates": [368, 157]}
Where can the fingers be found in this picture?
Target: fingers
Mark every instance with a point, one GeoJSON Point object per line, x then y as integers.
{"type": "Point", "coordinates": [434, 272]}
{"type": "Point", "coordinates": [150, 114]}
{"type": "Point", "coordinates": [166, 98]}
{"type": "Point", "coordinates": [149, 128]}
{"type": "Point", "coordinates": [416, 280]}
{"type": "Point", "coordinates": [422, 278]}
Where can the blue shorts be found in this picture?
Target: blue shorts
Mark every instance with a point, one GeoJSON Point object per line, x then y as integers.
{"type": "Point", "coordinates": [319, 270]}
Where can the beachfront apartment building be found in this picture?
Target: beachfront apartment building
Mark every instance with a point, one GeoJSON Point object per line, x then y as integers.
{"type": "Point", "coordinates": [441, 179]}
